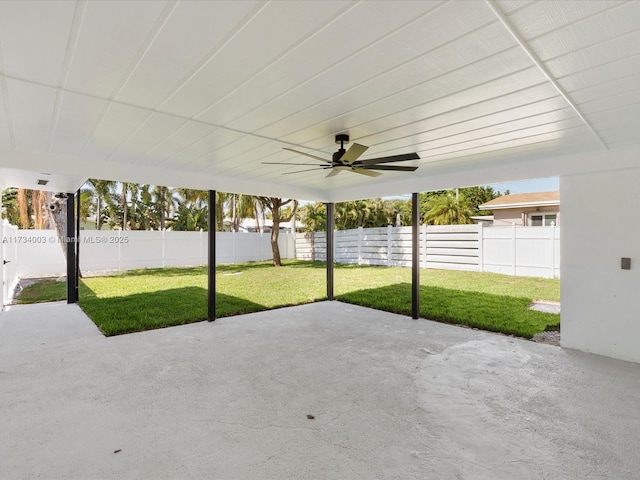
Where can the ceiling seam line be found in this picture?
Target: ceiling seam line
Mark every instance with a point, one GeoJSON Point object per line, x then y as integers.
{"type": "Point", "coordinates": [191, 162]}
{"type": "Point", "coordinates": [175, 132]}
{"type": "Point", "coordinates": [148, 42]}
{"type": "Point", "coordinates": [538, 63]}
{"type": "Point", "coordinates": [395, 93]}
{"type": "Point", "coordinates": [72, 45]}
{"type": "Point", "coordinates": [604, 110]}
{"type": "Point", "coordinates": [279, 57]}
{"type": "Point", "coordinates": [246, 20]}
{"type": "Point", "coordinates": [497, 143]}
{"type": "Point", "coordinates": [435, 100]}
{"type": "Point", "coordinates": [605, 82]}
{"type": "Point", "coordinates": [613, 95]}
{"type": "Point", "coordinates": [350, 57]}
{"type": "Point", "coordinates": [580, 20]}
{"type": "Point", "coordinates": [473, 129]}
{"type": "Point", "coordinates": [375, 77]}
{"type": "Point", "coordinates": [112, 101]}
{"type": "Point", "coordinates": [477, 117]}
{"type": "Point", "coordinates": [4, 94]}
{"type": "Point", "coordinates": [484, 137]}
{"type": "Point", "coordinates": [600, 65]}
{"type": "Point", "coordinates": [197, 140]}
{"type": "Point", "coordinates": [591, 45]}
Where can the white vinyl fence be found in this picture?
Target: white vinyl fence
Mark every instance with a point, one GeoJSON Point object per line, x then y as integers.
{"type": "Point", "coordinates": [514, 250]}
{"type": "Point", "coordinates": [9, 255]}
{"type": "Point", "coordinates": [40, 254]}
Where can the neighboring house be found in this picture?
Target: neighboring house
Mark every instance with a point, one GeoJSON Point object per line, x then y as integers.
{"type": "Point", "coordinates": [485, 220]}
{"type": "Point", "coordinates": [528, 209]}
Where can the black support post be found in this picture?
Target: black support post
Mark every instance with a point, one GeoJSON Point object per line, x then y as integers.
{"type": "Point", "coordinates": [211, 272]}
{"type": "Point", "coordinates": [70, 240]}
{"type": "Point", "coordinates": [77, 244]}
{"type": "Point", "coordinates": [330, 226]}
{"type": "Point", "coordinates": [415, 256]}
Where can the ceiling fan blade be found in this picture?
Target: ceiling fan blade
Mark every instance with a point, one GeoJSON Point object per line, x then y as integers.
{"type": "Point", "coordinates": [287, 163]}
{"type": "Point", "coordinates": [397, 168]}
{"type": "Point", "coordinates": [319, 167]}
{"type": "Point", "coordinates": [365, 171]}
{"type": "Point", "coordinates": [353, 153]}
{"type": "Point", "coordinates": [307, 155]}
{"type": "Point", "coordinates": [392, 158]}
{"type": "Point", "coordinates": [336, 170]}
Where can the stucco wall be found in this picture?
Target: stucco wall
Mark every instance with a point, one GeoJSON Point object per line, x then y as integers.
{"type": "Point", "coordinates": [600, 301]}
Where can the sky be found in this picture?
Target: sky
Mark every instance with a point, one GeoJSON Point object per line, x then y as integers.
{"type": "Point", "coordinates": [528, 186]}
{"type": "Point", "coordinates": [523, 186]}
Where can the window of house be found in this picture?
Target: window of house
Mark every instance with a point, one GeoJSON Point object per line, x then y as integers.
{"type": "Point", "coordinates": [545, 219]}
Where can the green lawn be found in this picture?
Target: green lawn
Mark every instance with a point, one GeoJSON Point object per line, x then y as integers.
{"type": "Point", "coordinates": [147, 299]}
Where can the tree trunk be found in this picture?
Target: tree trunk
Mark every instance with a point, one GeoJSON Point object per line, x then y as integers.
{"type": "Point", "coordinates": [98, 212]}
{"type": "Point", "coordinates": [124, 206]}
{"type": "Point", "coordinates": [39, 203]}
{"type": "Point", "coordinates": [275, 230]}
{"type": "Point", "coordinates": [23, 207]}
{"type": "Point", "coordinates": [56, 212]}
{"type": "Point", "coordinates": [162, 207]}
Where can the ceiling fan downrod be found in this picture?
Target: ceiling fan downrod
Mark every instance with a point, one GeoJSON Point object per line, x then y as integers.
{"type": "Point", "coordinates": [341, 138]}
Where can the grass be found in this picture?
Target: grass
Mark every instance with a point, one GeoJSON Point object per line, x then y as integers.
{"type": "Point", "coordinates": [147, 299]}
{"type": "Point", "coordinates": [43, 291]}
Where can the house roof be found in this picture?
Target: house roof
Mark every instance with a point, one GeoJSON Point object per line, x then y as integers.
{"type": "Point", "coordinates": [200, 94]}
{"type": "Point", "coordinates": [518, 200]}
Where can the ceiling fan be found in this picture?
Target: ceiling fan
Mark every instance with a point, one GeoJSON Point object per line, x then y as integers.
{"type": "Point", "coordinates": [347, 160]}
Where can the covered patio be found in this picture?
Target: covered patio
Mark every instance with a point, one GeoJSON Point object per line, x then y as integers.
{"type": "Point", "coordinates": [390, 398]}
{"type": "Point", "coordinates": [207, 95]}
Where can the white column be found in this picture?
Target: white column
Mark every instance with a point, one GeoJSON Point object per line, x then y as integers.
{"type": "Point", "coordinates": [360, 235]}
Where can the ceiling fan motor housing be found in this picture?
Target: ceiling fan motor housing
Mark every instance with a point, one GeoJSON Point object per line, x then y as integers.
{"type": "Point", "coordinates": [341, 138]}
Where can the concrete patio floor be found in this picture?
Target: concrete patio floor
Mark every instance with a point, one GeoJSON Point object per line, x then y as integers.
{"type": "Point", "coordinates": [392, 398]}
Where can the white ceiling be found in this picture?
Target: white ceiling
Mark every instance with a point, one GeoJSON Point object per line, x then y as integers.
{"type": "Point", "coordinates": [200, 93]}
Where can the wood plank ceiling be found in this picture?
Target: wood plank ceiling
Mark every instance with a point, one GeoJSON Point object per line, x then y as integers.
{"type": "Point", "coordinates": [200, 93]}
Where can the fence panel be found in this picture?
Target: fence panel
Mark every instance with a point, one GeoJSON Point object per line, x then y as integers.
{"type": "Point", "coordinates": [39, 254]}
{"type": "Point", "coordinates": [9, 256]}
{"type": "Point", "coordinates": [524, 251]}
{"type": "Point", "coordinates": [454, 247]}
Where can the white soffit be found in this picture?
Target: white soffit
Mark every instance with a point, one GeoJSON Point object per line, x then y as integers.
{"type": "Point", "coordinates": [198, 94]}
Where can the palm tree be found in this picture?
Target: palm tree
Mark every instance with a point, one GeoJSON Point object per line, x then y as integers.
{"type": "Point", "coordinates": [191, 217]}
{"type": "Point", "coordinates": [243, 206]}
{"type": "Point", "coordinates": [103, 190]}
{"type": "Point", "coordinates": [200, 198]}
{"type": "Point", "coordinates": [10, 206]}
{"type": "Point", "coordinates": [164, 203]}
{"type": "Point", "coordinates": [314, 217]}
{"type": "Point", "coordinates": [129, 189]}
{"type": "Point", "coordinates": [448, 209]}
